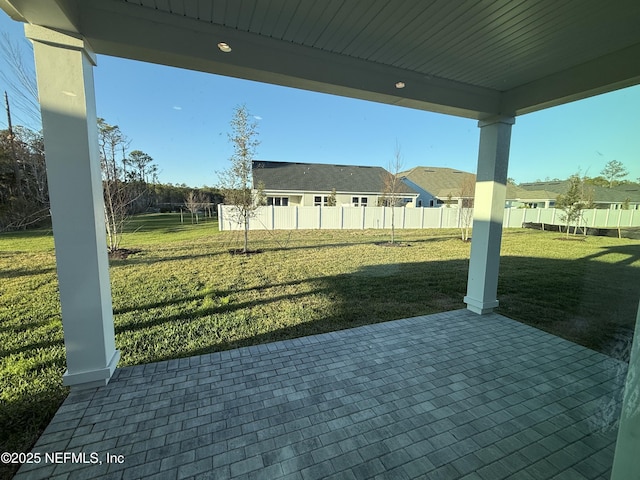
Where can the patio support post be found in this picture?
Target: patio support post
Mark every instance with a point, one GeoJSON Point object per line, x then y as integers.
{"type": "Point", "coordinates": [64, 67]}
{"type": "Point", "coordinates": [488, 214]}
{"type": "Point", "coordinates": [626, 462]}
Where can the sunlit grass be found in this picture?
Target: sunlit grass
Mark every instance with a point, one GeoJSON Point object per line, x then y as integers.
{"type": "Point", "coordinates": [183, 294]}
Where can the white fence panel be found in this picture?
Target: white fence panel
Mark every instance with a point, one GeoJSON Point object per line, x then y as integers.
{"type": "Point", "coordinates": [374, 217]}
{"type": "Point", "coordinates": [356, 218]}
{"type": "Point", "coordinates": [262, 220]}
{"type": "Point", "coordinates": [432, 217]}
{"type": "Point", "coordinates": [450, 217]}
{"type": "Point", "coordinates": [514, 217]}
{"type": "Point", "coordinates": [624, 218]}
{"type": "Point", "coordinates": [308, 217]}
{"type": "Point", "coordinates": [352, 217]}
{"type": "Point", "coordinates": [601, 218]}
{"type": "Point", "coordinates": [330, 218]}
{"type": "Point", "coordinates": [548, 215]}
{"type": "Point", "coordinates": [413, 217]}
{"type": "Point", "coordinates": [285, 218]}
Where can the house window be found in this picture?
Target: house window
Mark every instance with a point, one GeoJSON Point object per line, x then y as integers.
{"type": "Point", "coordinates": [355, 201]}
{"type": "Point", "coordinates": [319, 201]}
{"type": "Point", "coordinates": [363, 201]}
{"type": "Point", "coordinates": [278, 201]}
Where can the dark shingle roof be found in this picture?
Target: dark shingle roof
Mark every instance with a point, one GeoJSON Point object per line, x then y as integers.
{"type": "Point", "coordinates": [317, 177]}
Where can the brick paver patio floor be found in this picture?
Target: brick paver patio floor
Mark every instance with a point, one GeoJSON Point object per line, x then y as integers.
{"type": "Point", "coordinates": [445, 396]}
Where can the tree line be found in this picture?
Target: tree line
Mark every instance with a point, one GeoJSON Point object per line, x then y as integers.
{"type": "Point", "coordinates": [129, 179]}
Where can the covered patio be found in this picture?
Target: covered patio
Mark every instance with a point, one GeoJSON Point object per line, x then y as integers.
{"type": "Point", "coordinates": [425, 397]}
{"type": "Point", "coordinates": [488, 61]}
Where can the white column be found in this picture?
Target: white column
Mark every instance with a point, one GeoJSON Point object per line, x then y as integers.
{"type": "Point", "coordinates": [626, 462]}
{"type": "Point", "coordinates": [64, 67]}
{"type": "Point", "coordinates": [490, 195]}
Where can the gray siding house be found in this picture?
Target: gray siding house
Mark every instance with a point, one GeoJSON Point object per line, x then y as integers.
{"type": "Point", "coordinates": [311, 184]}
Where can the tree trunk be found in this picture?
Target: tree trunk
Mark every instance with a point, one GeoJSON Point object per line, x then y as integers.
{"type": "Point", "coordinates": [393, 224]}
{"type": "Point", "coordinates": [246, 234]}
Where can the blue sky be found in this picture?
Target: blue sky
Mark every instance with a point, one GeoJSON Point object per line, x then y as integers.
{"type": "Point", "coordinates": [181, 119]}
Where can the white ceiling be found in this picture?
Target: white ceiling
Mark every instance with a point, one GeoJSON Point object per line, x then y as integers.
{"type": "Point", "coordinates": [470, 58]}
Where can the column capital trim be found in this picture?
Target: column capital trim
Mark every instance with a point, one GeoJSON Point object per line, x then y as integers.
{"type": "Point", "coordinates": [57, 38]}
{"type": "Point", "coordinates": [506, 119]}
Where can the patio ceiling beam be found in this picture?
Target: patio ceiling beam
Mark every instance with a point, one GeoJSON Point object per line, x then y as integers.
{"type": "Point", "coordinates": [58, 14]}
{"type": "Point", "coordinates": [64, 69]}
{"type": "Point", "coordinates": [598, 76]}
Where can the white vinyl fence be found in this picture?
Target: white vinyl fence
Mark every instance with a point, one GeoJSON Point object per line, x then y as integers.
{"type": "Point", "coordinates": [354, 218]}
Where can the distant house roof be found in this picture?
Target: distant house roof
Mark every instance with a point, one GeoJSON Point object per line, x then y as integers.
{"type": "Point", "coordinates": [438, 181]}
{"type": "Point", "coordinates": [318, 177]}
{"type": "Point", "coordinates": [444, 182]}
{"type": "Point", "coordinates": [617, 194]}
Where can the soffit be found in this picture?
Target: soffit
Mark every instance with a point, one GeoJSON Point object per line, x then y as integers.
{"type": "Point", "coordinates": [469, 58]}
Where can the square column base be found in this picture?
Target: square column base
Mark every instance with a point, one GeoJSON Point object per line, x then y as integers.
{"type": "Point", "coordinates": [92, 378]}
{"type": "Point", "coordinates": [480, 307]}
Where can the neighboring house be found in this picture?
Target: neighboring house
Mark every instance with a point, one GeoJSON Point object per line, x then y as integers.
{"type": "Point", "coordinates": [311, 184]}
{"type": "Point", "coordinates": [619, 197]}
{"type": "Point", "coordinates": [438, 186]}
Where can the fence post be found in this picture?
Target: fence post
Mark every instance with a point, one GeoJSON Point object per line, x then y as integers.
{"type": "Point", "coordinates": [595, 212]}
{"type": "Point", "coordinates": [364, 213]}
{"type": "Point", "coordinates": [220, 220]}
{"type": "Point", "coordinates": [297, 217]}
{"type": "Point", "coordinates": [320, 218]}
{"type": "Point", "coordinates": [619, 217]}
{"type": "Point", "coordinates": [273, 218]}
{"type": "Point", "coordinates": [606, 220]}
{"type": "Point", "coordinates": [508, 221]}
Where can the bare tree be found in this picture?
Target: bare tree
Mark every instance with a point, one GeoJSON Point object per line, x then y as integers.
{"type": "Point", "coordinates": [194, 201]}
{"type": "Point", "coordinates": [236, 182]}
{"type": "Point", "coordinates": [113, 145]}
{"type": "Point", "coordinates": [392, 182]}
{"type": "Point", "coordinates": [467, 193]}
{"type": "Point", "coordinates": [20, 79]}
{"type": "Point", "coordinates": [24, 197]}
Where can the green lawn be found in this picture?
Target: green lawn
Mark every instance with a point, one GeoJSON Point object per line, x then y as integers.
{"type": "Point", "coordinates": [183, 294]}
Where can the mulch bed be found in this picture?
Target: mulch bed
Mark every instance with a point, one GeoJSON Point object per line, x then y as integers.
{"type": "Point", "coordinates": [239, 251]}
{"type": "Point", "coordinates": [122, 253]}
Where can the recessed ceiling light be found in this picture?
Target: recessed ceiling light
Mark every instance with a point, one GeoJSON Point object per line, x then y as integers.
{"type": "Point", "coordinates": [224, 47]}
{"type": "Point", "coordinates": [400, 85]}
